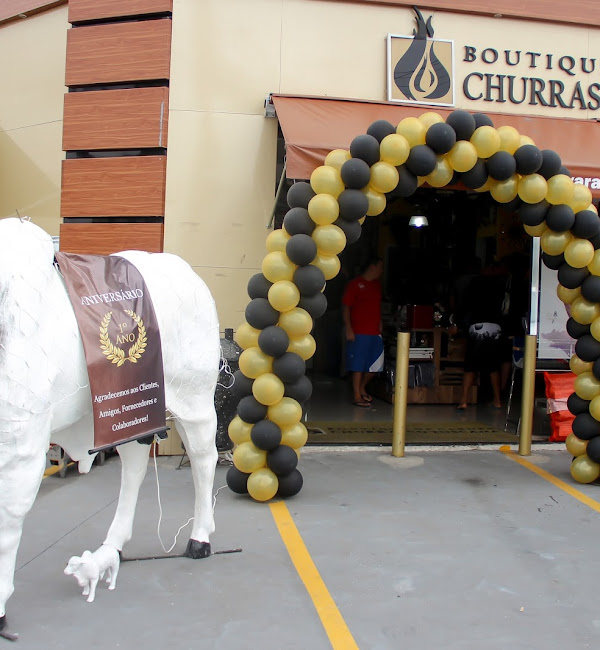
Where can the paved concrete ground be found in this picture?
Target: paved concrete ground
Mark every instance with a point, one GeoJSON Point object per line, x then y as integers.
{"type": "Point", "coordinates": [439, 550]}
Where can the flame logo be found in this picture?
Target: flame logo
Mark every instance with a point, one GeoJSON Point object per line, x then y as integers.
{"type": "Point", "coordinates": [419, 74]}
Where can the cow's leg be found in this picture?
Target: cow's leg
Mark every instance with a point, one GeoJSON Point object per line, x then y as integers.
{"type": "Point", "coordinates": [134, 460]}
{"type": "Point", "coordinates": [199, 440]}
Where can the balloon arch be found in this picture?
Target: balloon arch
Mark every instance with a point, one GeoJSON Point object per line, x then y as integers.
{"type": "Point", "coordinates": [327, 213]}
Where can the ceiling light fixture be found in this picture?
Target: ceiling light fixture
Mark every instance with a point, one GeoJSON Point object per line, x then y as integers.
{"type": "Point", "coordinates": [418, 220]}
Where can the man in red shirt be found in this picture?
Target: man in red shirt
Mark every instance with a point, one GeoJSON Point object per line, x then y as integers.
{"type": "Point", "coordinates": [361, 310]}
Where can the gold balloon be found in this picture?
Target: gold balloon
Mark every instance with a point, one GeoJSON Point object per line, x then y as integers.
{"type": "Point", "coordinates": [505, 191]}
{"type": "Point", "coordinates": [362, 220]}
{"type": "Point", "coordinates": [268, 389]}
{"type": "Point", "coordinates": [532, 188]}
{"type": "Point", "coordinates": [554, 243]}
{"type": "Point", "coordinates": [330, 240]}
{"type": "Point", "coordinates": [246, 336]}
{"type": "Point", "coordinates": [486, 141]}
{"type": "Point", "coordinates": [578, 366]}
{"type": "Point", "coordinates": [254, 362]}
{"type": "Point", "coordinates": [294, 435]}
{"type": "Point", "coordinates": [384, 177]}
{"type": "Point", "coordinates": [582, 197]}
{"type": "Point", "coordinates": [584, 311]}
{"type": "Point", "coordinates": [594, 407]}
{"type": "Point", "coordinates": [377, 201]}
{"type": "Point", "coordinates": [463, 156]}
{"type": "Point", "coordinates": [525, 139]}
{"type": "Point", "coordinates": [283, 295]}
{"type": "Point", "coordinates": [595, 329]}
{"type": "Point", "coordinates": [584, 469]}
{"type": "Point", "coordinates": [510, 140]}
{"type": "Point", "coordinates": [277, 266]}
{"type": "Point", "coordinates": [337, 158]}
{"type": "Point", "coordinates": [568, 295]}
{"type": "Point", "coordinates": [560, 189]}
{"type": "Point", "coordinates": [262, 484]}
{"type": "Point", "coordinates": [248, 458]}
{"type": "Point", "coordinates": [324, 209]}
{"type": "Point", "coordinates": [286, 412]}
{"type": "Point", "coordinates": [587, 386]}
{"type": "Point", "coordinates": [394, 149]}
{"type": "Point", "coordinates": [239, 431]}
{"type": "Point", "coordinates": [327, 180]}
{"type": "Point", "coordinates": [277, 240]}
{"type": "Point", "coordinates": [304, 346]}
{"type": "Point", "coordinates": [413, 130]}
{"type": "Point", "coordinates": [296, 322]}
{"type": "Point", "coordinates": [442, 174]}
{"type": "Point", "coordinates": [594, 265]}
{"type": "Point", "coordinates": [536, 231]}
{"type": "Point", "coordinates": [579, 253]}
{"type": "Point", "coordinates": [429, 118]}
{"type": "Point", "coordinates": [486, 186]}
{"type": "Point", "coordinates": [576, 446]}
{"type": "Point", "coordinates": [592, 207]}
{"type": "Point", "coordinates": [329, 264]}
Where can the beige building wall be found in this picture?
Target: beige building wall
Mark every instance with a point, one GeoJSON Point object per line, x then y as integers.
{"type": "Point", "coordinates": [32, 75]}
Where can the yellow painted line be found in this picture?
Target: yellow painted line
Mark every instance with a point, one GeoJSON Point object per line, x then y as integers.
{"type": "Point", "coordinates": [333, 622]}
{"type": "Point", "coordinates": [565, 487]}
{"type": "Point", "coordinates": [54, 470]}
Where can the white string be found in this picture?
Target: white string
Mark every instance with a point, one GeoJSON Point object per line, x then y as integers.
{"type": "Point", "coordinates": [226, 368]}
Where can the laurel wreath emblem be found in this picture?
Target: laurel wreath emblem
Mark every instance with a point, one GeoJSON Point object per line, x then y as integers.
{"type": "Point", "coordinates": [116, 354]}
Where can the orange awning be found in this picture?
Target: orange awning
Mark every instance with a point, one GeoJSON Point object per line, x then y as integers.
{"type": "Point", "coordinates": [313, 126]}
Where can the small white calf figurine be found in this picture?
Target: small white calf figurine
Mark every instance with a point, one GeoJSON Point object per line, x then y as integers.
{"type": "Point", "coordinates": [91, 567]}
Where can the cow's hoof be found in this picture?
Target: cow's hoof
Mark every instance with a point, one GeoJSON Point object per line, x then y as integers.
{"type": "Point", "coordinates": [197, 550]}
{"type": "Point", "coordinates": [5, 634]}
{"type": "Point", "coordinates": [2, 622]}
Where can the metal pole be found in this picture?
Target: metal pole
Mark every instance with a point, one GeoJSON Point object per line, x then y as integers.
{"type": "Point", "coordinates": [277, 194]}
{"type": "Point", "coordinates": [528, 395]}
{"type": "Point", "coordinates": [400, 393]}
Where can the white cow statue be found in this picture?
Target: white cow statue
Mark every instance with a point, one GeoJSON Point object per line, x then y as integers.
{"type": "Point", "coordinates": [45, 395]}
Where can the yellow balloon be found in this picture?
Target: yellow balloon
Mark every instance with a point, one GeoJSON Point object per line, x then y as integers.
{"type": "Point", "coordinates": [532, 188]}
{"type": "Point", "coordinates": [286, 412]}
{"type": "Point", "coordinates": [595, 329]}
{"type": "Point", "coordinates": [248, 458]}
{"type": "Point", "coordinates": [277, 240]}
{"type": "Point", "coordinates": [283, 295]}
{"type": "Point", "coordinates": [510, 140]}
{"type": "Point", "coordinates": [362, 220]}
{"type": "Point", "coordinates": [327, 180]}
{"type": "Point", "coordinates": [394, 149]}
{"type": "Point", "coordinates": [304, 346]}
{"type": "Point", "coordinates": [582, 197]}
{"type": "Point", "coordinates": [429, 118]}
{"type": "Point", "coordinates": [262, 484]}
{"type": "Point", "coordinates": [536, 231]}
{"type": "Point", "coordinates": [337, 158]}
{"type": "Point", "coordinates": [324, 209]}
{"type": "Point", "coordinates": [486, 186]}
{"type": "Point", "coordinates": [578, 366]}
{"type": "Point", "coordinates": [555, 243]}
{"type": "Point", "coordinates": [579, 253]}
{"type": "Point", "coordinates": [294, 435]}
{"type": "Point", "coordinates": [587, 386]}
{"type": "Point", "coordinates": [505, 191]}
{"type": "Point", "coordinates": [595, 407]}
{"type": "Point", "coordinates": [584, 469]}
{"type": "Point", "coordinates": [463, 156]}
{"type": "Point", "coordinates": [268, 389]}
{"type": "Point", "coordinates": [442, 174]}
{"type": "Point", "coordinates": [486, 141]}
{"type": "Point", "coordinates": [329, 264]}
{"type": "Point", "coordinates": [560, 189]}
{"type": "Point", "coordinates": [413, 130]}
{"type": "Point", "coordinates": [254, 362]}
{"type": "Point", "coordinates": [330, 240]}
{"type": "Point", "coordinates": [592, 207]}
{"type": "Point", "coordinates": [239, 431]}
{"type": "Point", "coordinates": [377, 201]}
{"type": "Point", "coordinates": [277, 266]}
{"type": "Point", "coordinates": [576, 446]}
{"type": "Point", "coordinates": [384, 177]}
{"type": "Point", "coordinates": [525, 139]}
{"type": "Point", "coordinates": [568, 295]}
{"type": "Point", "coordinates": [246, 336]}
{"type": "Point", "coordinates": [594, 265]}
{"type": "Point", "coordinates": [296, 322]}
{"type": "Point", "coordinates": [584, 311]}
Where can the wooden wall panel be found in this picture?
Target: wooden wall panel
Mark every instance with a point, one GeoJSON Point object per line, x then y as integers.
{"type": "Point", "coordinates": [116, 119]}
{"type": "Point", "coordinates": [107, 238]}
{"type": "Point", "coordinates": [114, 187]}
{"type": "Point", "coordinates": [10, 9]}
{"type": "Point", "coordinates": [82, 10]}
{"type": "Point", "coordinates": [117, 52]}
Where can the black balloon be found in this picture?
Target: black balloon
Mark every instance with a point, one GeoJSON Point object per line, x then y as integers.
{"type": "Point", "coordinates": [353, 205]}
{"type": "Point", "coordinates": [242, 385]}
{"type": "Point", "coordinates": [365, 147]}
{"type": "Point", "coordinates": [560, 217]}
{"type": "Point", "coordinates": [289, 367]}
{"type": "Point", "coordinates": [273, 341]}
{"type": "Point", "coordinates": [301, 249]}
{"type": "Point", "coordinates": [585, 427]}
{"type": "Point", "coordinates": [440, 137]}
{"type": "Point", "coordinates": [463, 124]}
{"type": "Point", "coordinates": [553, 262]}
{"type": "Point", "coordinates": [514, 205]}
{"type": "Point", "coordinates": [475, 177]}
{"type": "Point", "coordinates": [587, 348]}
{"type": "Point", "coordinates": [299, 195]}
{"type": "Point", "coordinates": [590, 289]}
{"type": "Point", "coordinates": [300, 390]}
{"type": "Point", "coordinates": [577, 404]}
{"type": "Point", "coordinates": [407, 183]}
{"type": "Point", "coordinates": [533, 214]}
{"type": "Point", "coordinates": [587, 224]}
{"type": "Point", "coordinates": [260, 313]}
{"type": "Point", "coordinates": [501, 166]}
{"type": "Point", "coordinates": [421, 160]}
{"type": "Point", "coordinates": [551, 164]}
{"type": "Point", "coordinates": [282, 460]}
{"type": "Point", "coordinates": [309, 279]}
{"type": "Point", "coordinates": [258, 286]}
{"type": "Point", "coordinates": [596, 369]}
{"type": "Point", "coordinates": [352, 230]}
{"type": "Point", "coordinates": [564, 171]}
{"type": "Point", "coordinates": [595, 241]}
{"type": "Point", "coordinates": [570, 277]}
{"type": "Point", "coordinates": [315, 305]}
{"type": "Point", "coordinates": [481, 119]}
{"type": "Point", "coordinates": [251, 410]}
{"type": "Point", "coordinates": [237, 481]}
{"type": "Point", "coordinates": [380, 129]}
{"type": "Point", "coordinates": [356, 173]}
{"type": "Point", "coordinates": [297, 221]}
{"type": "Point", "coordinates": [593, 449]}
{"type": "Point", "coordinates": [528, 158]}
{"type": "Point", "coordinates": [576, 330]}
{"type": "Point", "coordinates": [290, 484]}
{"type": "Point", "coordinates": [266, 435]}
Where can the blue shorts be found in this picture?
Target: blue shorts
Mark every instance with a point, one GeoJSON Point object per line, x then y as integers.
{"type": "Point", "coordinates": [365, 353]}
